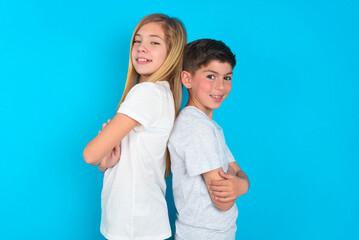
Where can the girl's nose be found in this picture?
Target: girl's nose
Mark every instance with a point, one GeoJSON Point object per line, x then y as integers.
{"type": "Point", "coordinates": [142, 48]}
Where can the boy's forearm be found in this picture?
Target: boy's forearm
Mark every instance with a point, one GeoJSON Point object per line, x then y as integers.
{"type": "Point", "coordinates": [242, 175]}
{"type": "Point", "coordinates": [214, 176]}
{"type": "Point", "coordinates": [239, 172]}
{"type": "Point", "coordinates": [224, 206]}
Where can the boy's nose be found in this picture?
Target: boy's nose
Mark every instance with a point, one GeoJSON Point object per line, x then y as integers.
{"type": "Point", "coordinates": [220, 84]}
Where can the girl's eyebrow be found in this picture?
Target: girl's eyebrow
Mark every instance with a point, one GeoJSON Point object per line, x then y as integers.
{"type": "Point", "coordinates": [156, 36]}
{"type": "Point", "coordinates": [216, 72]}
{"type": "Point", "coordinates": [152, 35]}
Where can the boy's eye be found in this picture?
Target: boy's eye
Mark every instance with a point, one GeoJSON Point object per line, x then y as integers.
{"type": "Point", "coordinates": [155, 43]}
{"type": "Point", "coordinates": [211, 76]}
{"type": "Point", "coordinates": [227, 78]}
{"type": "Point", "coordinates": [136, 41]}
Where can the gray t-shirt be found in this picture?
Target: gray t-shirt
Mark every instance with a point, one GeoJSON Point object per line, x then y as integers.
{"type": "Point", "coordinates": [197, 146]}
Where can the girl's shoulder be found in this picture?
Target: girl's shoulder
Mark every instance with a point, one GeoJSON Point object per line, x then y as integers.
{"type": "Point", "coordinates": [151, 86]}
{"type": "Point", "coordinates": [149, 92]}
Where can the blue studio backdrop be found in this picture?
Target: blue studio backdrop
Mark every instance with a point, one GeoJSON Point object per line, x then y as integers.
{"type": "Point", "coordinates": [291, 120]}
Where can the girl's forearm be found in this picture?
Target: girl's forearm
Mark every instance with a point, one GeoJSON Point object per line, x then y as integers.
{"type": "Point", "coordinates": [102, 169]}
{"type": "Point", "coordinates": [103, 143]}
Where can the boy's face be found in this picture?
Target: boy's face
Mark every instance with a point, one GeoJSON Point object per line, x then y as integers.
{"type": "Point", "coordinates": [208, 86]}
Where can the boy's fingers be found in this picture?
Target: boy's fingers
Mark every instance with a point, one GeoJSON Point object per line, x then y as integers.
{"type": "Point", "coordinates": [224, 199]}
{"type": "Point", "coordinates": [109, 120]}
{"type": "Point", "coordinates": [226, 175]}
{"type": "Point", "coordinates": [221, 194]}
{"type": "Point", "coordinates": [218, 188]}
{"type": "Point", "coordinates": [218, 183]}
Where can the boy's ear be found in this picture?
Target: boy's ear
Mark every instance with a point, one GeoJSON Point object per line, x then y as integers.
{"type": "Point", "coordinates": [186, 79]}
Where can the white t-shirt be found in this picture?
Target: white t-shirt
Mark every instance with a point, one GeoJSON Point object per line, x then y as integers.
{"type": "Point", "coordinates": [197, 145]}
{"type": "Point", "coordinates": [133, 195]}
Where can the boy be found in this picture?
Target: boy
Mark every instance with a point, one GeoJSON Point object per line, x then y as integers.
{"type": "Point", "coordinates": [204, 193]}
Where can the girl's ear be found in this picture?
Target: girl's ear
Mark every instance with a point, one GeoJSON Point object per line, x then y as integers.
{"type": "Point", "coordinates": [186, 79]}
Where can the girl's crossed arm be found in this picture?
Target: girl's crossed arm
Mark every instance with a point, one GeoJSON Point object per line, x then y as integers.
{"type": "Point", "coordinates": [108, 138]}
{"type": "Point", "coordinates": [112, 158]}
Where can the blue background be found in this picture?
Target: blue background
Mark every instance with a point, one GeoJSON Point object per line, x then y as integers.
{"type": "Point", "coordinates": [291, 120]}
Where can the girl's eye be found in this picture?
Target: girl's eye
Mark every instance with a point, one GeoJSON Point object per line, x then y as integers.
{"type": "Point", "coordinates": [227, 78]}
{"type": "Point", "coordinates": [155, 43]}
{"type": "Point", "coordinates": [137, 41]}
{"type": "Point", "coordinates": [211, 76]}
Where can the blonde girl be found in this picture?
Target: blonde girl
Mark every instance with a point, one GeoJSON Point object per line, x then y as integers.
{"type": "Point", "coordinates": [131, 148]}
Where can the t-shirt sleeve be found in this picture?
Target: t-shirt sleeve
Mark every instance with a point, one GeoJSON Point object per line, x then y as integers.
{"type": "Point", "coordinates": [201, 153]}
{"type": "Point", "coordinates": [143, 104]}
{"type": "Point", "coordinates": [229, 155]}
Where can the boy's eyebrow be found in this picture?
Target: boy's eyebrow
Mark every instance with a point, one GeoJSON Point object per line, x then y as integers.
{"type": "Point", "coordinates": [152, 35]}
{"type": "Point", "coordinates": [216, 72]}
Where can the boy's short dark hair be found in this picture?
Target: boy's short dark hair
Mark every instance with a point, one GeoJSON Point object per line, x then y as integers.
{"type": "Point", "coordinates": [201, 52]}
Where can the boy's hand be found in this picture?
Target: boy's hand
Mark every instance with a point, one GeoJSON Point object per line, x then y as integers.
{"type": "Point", "coordinates": [229, 188]}
{"type": "Point", "coordinates": [112, 158]}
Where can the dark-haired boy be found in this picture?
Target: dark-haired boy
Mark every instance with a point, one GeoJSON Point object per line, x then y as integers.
{"type": "Point", "coordinates": [206, 178]}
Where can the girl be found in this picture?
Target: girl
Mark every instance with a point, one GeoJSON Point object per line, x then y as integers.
{"type": "Point", "coordinates": [132, 146]}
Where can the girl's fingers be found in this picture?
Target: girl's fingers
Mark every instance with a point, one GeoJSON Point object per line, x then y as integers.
{"type": "Point", "coordinates": [99, 132]}
{"type": "Point", "coordinates": [117, 147]}
{"type": "Point", "coordinates": [106, 123]}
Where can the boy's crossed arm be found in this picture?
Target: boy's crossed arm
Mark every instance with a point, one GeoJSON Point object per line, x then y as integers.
{"type": "Point", "coordinates": [225, 188]}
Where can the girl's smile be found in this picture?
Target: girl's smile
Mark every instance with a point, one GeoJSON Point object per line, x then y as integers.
{"type": "Point", "coordinates": [143, 60]}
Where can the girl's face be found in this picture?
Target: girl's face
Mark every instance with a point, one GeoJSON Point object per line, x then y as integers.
{"type": "Point", "coordinates": [149, 49]}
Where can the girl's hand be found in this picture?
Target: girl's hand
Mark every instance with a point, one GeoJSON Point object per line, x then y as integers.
{"type": "Point", "coordinates": [229, 188]}
{"type": "Point", "coordinates": [112, 158]}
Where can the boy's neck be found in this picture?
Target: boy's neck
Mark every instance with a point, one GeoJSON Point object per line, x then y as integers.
{"type": "Point", "coordinates": [208, 112]}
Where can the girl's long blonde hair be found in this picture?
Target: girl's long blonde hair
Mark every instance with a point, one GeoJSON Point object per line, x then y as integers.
{"type": "Point", "coordinates": [170, 70]}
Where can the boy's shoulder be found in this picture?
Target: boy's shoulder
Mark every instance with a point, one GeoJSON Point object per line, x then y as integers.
{"type": "Point", "coordinates": [192, 122]}
{"type": "Point", "coordinates": [192, 117]}
{"type": "Point", "coordinates": [191, 111]}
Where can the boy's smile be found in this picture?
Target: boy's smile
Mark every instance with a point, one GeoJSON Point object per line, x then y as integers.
{"type": "Point", "coordinates": [208, 86]}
